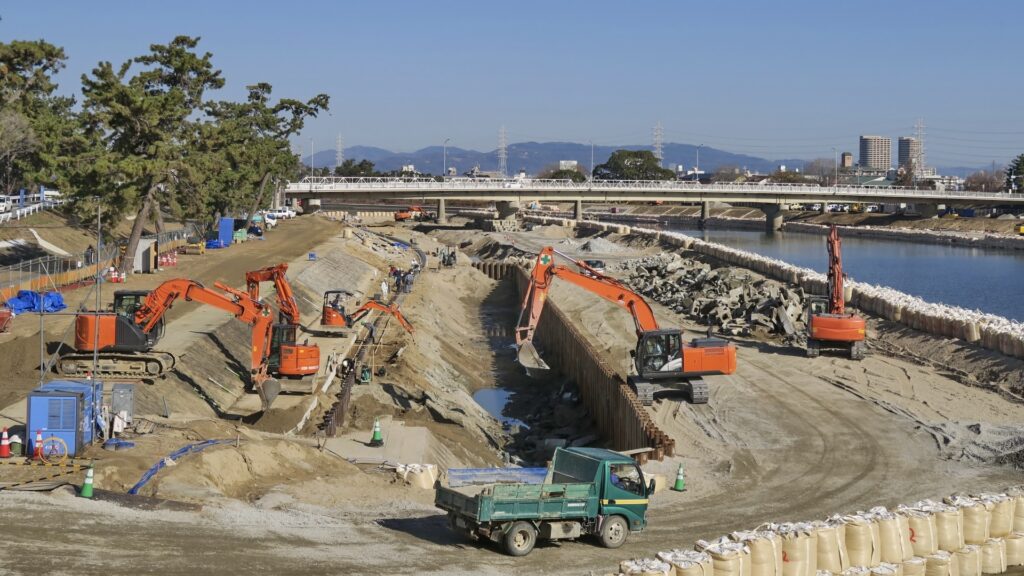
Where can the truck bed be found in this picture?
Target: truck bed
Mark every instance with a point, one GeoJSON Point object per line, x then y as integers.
{"type": "Point", "coordinates": [504, 502]}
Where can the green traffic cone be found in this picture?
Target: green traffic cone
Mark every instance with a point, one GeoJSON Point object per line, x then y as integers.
{"type": "Point", "coordinates": [86, 491]}
{"type": "Point", "coordinates": [680, 485]}
{"type": "Point", "coordinates": [378, 438]}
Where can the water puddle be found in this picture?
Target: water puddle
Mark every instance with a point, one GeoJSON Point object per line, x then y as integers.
{"type": "Point", "coordinates": [494, 401]}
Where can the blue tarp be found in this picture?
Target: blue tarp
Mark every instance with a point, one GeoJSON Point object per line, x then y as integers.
{"type": "Point", "coordinates": [215, 244]}
{"type": "Point", "coordinates": [28, 301]}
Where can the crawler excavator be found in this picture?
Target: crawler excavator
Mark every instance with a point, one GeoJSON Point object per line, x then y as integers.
{"type": "Point", "coordinates": [123, 339]}
{"type": "Point", "coordinates": [334, 316]}
{"type": "Point", "coordinates": [287, 357]}
{"type": "Point", "coordinates": [661, 359]}
{"type": "Point", "coordinates": [828, 324]}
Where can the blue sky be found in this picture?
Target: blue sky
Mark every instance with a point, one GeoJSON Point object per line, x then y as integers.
{"type": "Point", "coordinates": [773, 79]}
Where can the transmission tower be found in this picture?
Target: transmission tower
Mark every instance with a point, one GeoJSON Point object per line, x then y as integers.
{"type": "Point", "coordinates": [919, 136]}
{"type": "Point", "coordinates": [659, 136]}
{"type": "Point", "coordinates": [339, 151]}
{"type": "Point", "coordinates": [502, 153]}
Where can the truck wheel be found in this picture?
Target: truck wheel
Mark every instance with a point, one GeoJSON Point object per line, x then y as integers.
{"type": "Point", "coordinates": [520, 539]}
{"type": "Point", "coordinates": [614, 532]}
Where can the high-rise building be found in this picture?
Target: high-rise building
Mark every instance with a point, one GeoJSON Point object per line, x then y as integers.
{"type": "Point", "coordinates": [846, 160]}
{"type": "Point", "coordinates": [909, 152]}
{"type": "Point", "coordinates": [875, 152]}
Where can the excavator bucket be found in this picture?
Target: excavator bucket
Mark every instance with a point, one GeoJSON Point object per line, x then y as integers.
{"type": "Point", "coordinates": [268, 392]}
{"type": "Point", "coordinates": [530, 359]}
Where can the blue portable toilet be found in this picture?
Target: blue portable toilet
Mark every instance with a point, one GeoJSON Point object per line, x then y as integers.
{"type": "Point", "coordinates": [226, 231]}
{"type": "Point", "coordinates": [67, 409]}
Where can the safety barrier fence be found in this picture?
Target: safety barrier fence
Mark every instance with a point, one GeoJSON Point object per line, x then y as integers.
{"type": "Point", "coordinates": [986, 330]}
{"type": "Point", "coordinates": [620, 417]}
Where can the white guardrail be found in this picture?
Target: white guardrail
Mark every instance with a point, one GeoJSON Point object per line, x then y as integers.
{"type": "Point", "coordinates": [343, 184]}
{"type": "Point", "coordinates": [19, 213]}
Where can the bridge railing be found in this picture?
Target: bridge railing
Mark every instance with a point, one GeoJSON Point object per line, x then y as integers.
{"type": "Point", "coordinates": [342, 184]}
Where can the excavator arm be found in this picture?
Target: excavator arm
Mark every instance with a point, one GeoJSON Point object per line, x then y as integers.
{"type": "Point", "coordinates": [286, 303]}
{"type": "Point", "coordinates": [365, 309]}
{"type": "Point", "coordinates": [544, 272]}
{"type": "Point", "coordinates": [836, 303]}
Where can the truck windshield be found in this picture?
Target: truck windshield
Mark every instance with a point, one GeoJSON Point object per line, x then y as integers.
{"type": "Point", "coordinates": [627, 477]}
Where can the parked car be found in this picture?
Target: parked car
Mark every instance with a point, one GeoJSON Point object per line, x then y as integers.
{"type": "Point", "coordinates": [596, 265]}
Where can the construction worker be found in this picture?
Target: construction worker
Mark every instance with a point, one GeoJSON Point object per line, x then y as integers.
{"type": "Point", "coordinates": [384, 289]}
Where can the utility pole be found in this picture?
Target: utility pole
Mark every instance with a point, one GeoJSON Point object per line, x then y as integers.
{"type": "Point", "coordinates": [99, 290]}
{"type": "Point", "coordinates": [591, 161]}
{"type": "Point", "coordinates": [502, 153]}
{"type": "Point", "coordinates": [444, 159]}
{"type": "Point", "coordinates": [835, 155]}
{"type": "Point", "coordinates": [339, 152]}
{"type": "Point", "coordinates": [659, 134]}
{"type": "Point", "coordinates": [312, 152]}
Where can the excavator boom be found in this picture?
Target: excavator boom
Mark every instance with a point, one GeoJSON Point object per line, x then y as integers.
{"type": "Point", "coordinates": [370, 305]}
{"type": "Point", "coordinates": [836, 303]}
{"type": "Point", "coordinates": [286, 303]}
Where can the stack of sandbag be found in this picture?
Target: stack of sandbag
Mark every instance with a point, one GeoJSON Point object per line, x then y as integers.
{"type": "Point", "coordinates": [924, 539]}
{"type": "Point", "coordinates": [993, 556]}
{"type": "Point", "coordinates": [894, 536]}
{"type": "Point", "coordinates": [831, 544]}
{"type": "Point", "coordinates": [976, 518]}
{"type": "Point", "coordinates": [941, 563]}
{"type": "Point", "coordinates": [728, 558]}
{"type": "Point", "coordinates": [862, 540]}
{"type": "Point", "coordinates": [688, 562]}
{"type": "Point", "coordinates": [765, 551]}
{"type": "Point", "coordinates": [969, 560]}
{"type": "Point", "coordinates": [645, 567]}
{"type": "Point", "coordinates": [799, 548]}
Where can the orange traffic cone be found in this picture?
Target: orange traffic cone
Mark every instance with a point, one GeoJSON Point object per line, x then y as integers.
{"type": "Point", "coordinates": [5, 445]}
{"type": "Point", "coordinates": [37, 449]}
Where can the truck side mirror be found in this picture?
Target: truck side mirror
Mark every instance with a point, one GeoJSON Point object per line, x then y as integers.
{"type": "Point", "coordinates": [650, 487]}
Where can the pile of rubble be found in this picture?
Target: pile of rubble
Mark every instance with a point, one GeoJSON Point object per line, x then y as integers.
{"type": "Point", "coordinates": [735, 301]}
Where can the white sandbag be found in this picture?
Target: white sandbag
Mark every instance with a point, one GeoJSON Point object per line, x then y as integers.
{"type": "Point", "coordinates": [729, 558]}
{"type": "Point", "coordinates": [688, 562]}
{"type": "Point", "coordinates": [645, 567]}
{"type": "Point", "coordinates": [941, 563]}
{"type": "Point", "coordinates": [976, 522]}
{"type": "Point", "coordinates": [949, 526]}
{"type": "Point", "coordinates": [831, 547]}
{"type": "Point", "coordinates": [857, 571]}
{"type": "Point", "coordinates": [914, 566]}
{"type": "Point", "coordinates": [1001, 513]}
{"type": "Point", "coordinates": [1017, 493]}
{"type": "Point", "coordinates": [887, 569]}
{"type": "Point", "coordinates": [862, 540]}
{"type": "Point", "coordinates": [969, 560]}
{"type": "Point", "coordinates": [993, 556]}
{"type": "Point", "coordinates": [1014, 549]}
{"type": "Point", "coordinates": [765, 551]}
{"type": "Point", "coordinates": [799, 549]}
{"type": "Point", "coordinates": [922, 531]}
{"type": "Point", "coordinates": [894, 537]}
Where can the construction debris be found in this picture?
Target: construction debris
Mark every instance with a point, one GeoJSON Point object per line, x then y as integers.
{"type": "Point", "coordinates": [734, 301]}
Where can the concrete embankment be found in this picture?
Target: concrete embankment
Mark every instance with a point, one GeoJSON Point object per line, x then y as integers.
{"type": "Point", "coordinates": [986, 241]}
{"type": "Point", "coordinates": [987, 330]}
{"type": "Point", "coordinates": [617, 412]}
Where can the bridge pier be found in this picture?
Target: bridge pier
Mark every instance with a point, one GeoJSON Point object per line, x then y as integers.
{"type": "Point", "coordinates": [442, 215]}
{"type": "Point", "coordinates": [927, 210]}
{"type": "Point", "coordinates": [772, 217]}
{"type": "Point", "coordinates": [506, 209]}
{"type": "Point", "coordinates": [577, 210]}
{"type": "Point", "coordinates": [705, 213]}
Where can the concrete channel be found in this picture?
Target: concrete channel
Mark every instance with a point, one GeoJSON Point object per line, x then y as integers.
{"type": "Point", "coordinates": [619, 416]}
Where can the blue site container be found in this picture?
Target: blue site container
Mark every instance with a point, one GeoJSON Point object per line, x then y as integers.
{"type": "Point", "coordinates": [67, 409]}
{"type": "Point", "coordinates": [226, 231]}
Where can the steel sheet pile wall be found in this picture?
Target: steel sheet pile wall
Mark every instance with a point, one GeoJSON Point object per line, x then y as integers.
{"type": "Point", "coordinates": [986, 330]}
{"type": "Point", "coordinates": [621, 418]}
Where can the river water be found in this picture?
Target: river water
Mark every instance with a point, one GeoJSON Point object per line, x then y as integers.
{"type": "Point", "coordinates": [990, 281]}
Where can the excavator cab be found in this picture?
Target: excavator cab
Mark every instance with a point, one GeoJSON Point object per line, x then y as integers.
{"type": "Point", "coordinates": [333, 311]}
{"type": "Point", "coordinates": [117, 332]}
{"type": "Point", "coordinates": [655, 352]}
{"type": "Point", "coordinates": [287, 357]}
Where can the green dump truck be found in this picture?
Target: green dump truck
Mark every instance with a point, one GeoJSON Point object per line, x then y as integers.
{"type": "Point", "coordinates": [588, 491]}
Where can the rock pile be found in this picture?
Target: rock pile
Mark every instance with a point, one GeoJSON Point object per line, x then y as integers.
{"type": "Point", "coordinates": [735, 301]}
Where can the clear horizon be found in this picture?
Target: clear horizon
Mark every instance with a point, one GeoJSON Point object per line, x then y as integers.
{"type": "Point", "coordinates": [768, 80]}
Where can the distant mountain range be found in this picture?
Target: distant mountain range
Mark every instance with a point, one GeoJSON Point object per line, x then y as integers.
{"type": "Point", "coordinates": [536, 156]}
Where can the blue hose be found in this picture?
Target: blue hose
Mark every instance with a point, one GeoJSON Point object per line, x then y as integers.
{"type": "Point", "coordinates": [184, 451]}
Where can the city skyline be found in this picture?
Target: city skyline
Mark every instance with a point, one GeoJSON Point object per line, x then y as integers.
{"type": "Point", "coordinates": [404, 75]}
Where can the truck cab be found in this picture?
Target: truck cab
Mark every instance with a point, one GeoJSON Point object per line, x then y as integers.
{"type": "Point", "coordinates": [587, 491]}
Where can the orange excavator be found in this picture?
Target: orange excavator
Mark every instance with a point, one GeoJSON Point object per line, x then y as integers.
{"type": "Point", "coordinates": [334, 316]}
{"type": "Point", "coordinates": [286, 357]}
{"type": "Point", "coordinates": [126, 336]}
{"type": "Point", "coordinates": [662, 360]}
{"type": "Point", "coordinates": [828, 324]}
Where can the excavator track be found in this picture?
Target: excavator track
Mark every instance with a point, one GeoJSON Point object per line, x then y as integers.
{"type": "Point", "coordinates": [699, 392]}
{"type": "Point", "coordinates": [130, 365]}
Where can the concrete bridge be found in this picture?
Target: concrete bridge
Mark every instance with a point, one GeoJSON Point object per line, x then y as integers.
{"type": "Point", "coordinates": [509, 194]}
